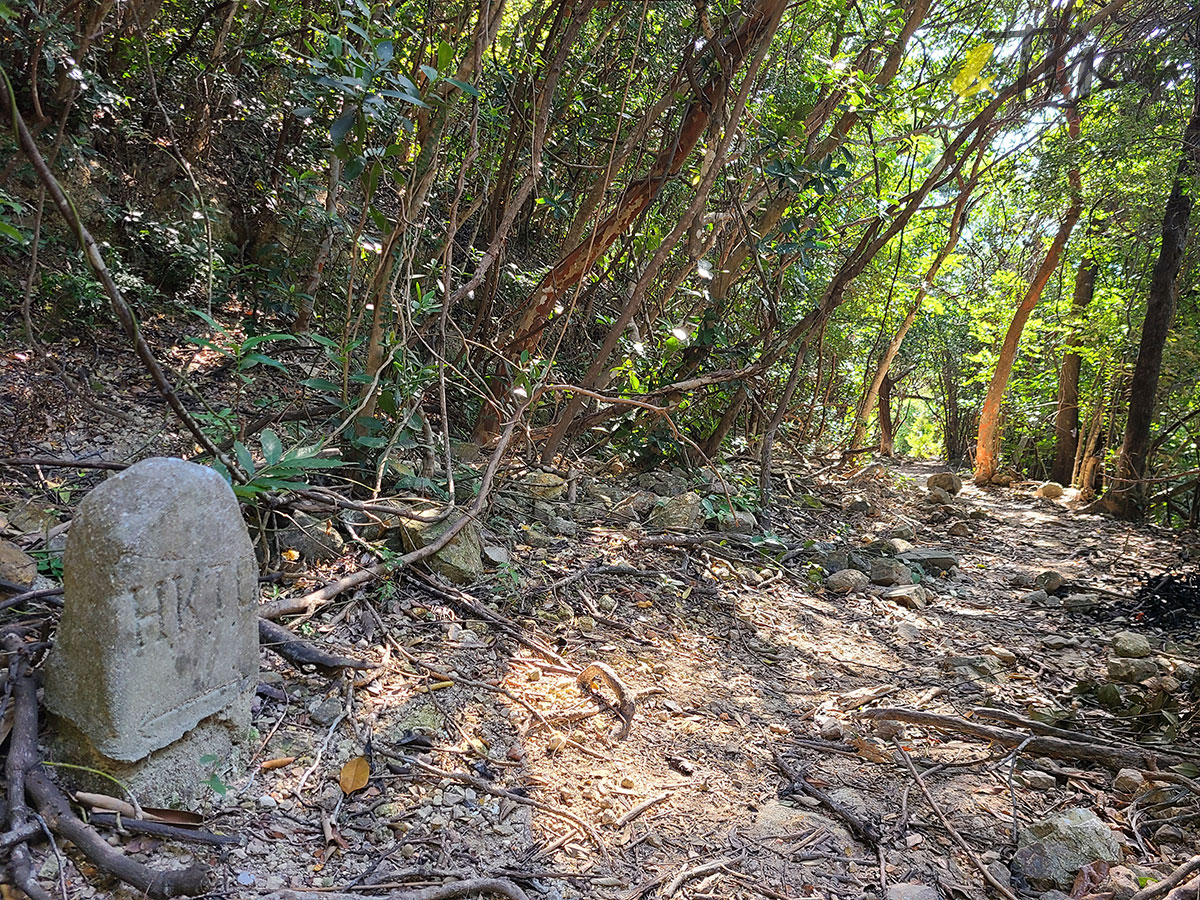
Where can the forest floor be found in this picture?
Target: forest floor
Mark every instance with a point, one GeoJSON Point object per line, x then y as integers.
{"type": "Point", "coordinates": [749, 768]}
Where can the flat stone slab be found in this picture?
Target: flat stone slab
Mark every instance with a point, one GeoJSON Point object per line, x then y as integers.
{"type": "Point", "coordinates": [159, 625]}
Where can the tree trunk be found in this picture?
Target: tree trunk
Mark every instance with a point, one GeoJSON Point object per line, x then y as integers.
{"type": "Point", "coordinates": [887, 437]}
{"type": "Point", "coordinates": [1066, 416]}
{"type": "Point", "coordinates": [760, 24]}
{"type": "Point", "coordinates": [1128, 495]}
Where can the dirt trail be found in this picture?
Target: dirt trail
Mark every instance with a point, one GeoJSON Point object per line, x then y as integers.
{"type": "Point", "coordinates": [733, 658]}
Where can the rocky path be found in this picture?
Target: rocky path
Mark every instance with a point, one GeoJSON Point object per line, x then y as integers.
{"type": "Point", "coordinates": [757, 762]}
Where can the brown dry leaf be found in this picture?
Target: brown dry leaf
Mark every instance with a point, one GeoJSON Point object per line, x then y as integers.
{"type": "Point", "coordinates": [180, 817]}
{"type": "Point", "coordinates": [277, 763]}
{"type": "Point", "coordinates": [355, 775]}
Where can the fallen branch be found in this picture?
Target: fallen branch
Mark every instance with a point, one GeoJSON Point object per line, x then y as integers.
{"type": "Point", "coordinates": [1176, 878]}
{"type": "Point", "coordinates": [1040, 745]}
{"type": "Point", "coordinates": [56, 811]}
{"type": "Point", "coordinates": [299, 653]}
{"type": "Point", "coordinates": [53, 462]}
{"type": "Point", "coordinates": [501, 887]}
{"type": "Point", "coordinates": [688, 874]}
{"type": "Point", "coordinates": [165, 830]}
{"type": "Point", "coordinates": [865, 831]}
{"type": "Point", "coordinates": [991, 879]}
{"type": "Point", "coordinates": [641, 808]}
{"type": "Point", "coordinates": [625, 706]}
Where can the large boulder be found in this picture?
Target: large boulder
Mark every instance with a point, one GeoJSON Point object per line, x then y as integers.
{"type": "Point", "coordinates": [946, 481]}
{"type": "Point", "coordinates": [1052, 851]}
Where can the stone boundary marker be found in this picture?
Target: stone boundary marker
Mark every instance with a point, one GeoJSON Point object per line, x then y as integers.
{"type": "Point", "coordinates": [156, 657]}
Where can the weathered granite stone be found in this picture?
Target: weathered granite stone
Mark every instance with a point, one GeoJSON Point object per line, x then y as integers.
{"type": "Point", "coordinates": [946, 481]}
{"type": "Point", "coordinates": [1053, 850]}
{"type": "Point", "coordinates": [736, 521]}
{"type": "Point", "coordinates": [889, 572]}
{"type": "Point", "coordinates": [461, 560]}
{"type": "Point", "coordinates": [678, 512]}
{"type": "Point", "coordinates": [159, 635]}
{"type": "Point", "coordinates": [847, 581]}
{"type": "Point", "coordinates": [931, 560]}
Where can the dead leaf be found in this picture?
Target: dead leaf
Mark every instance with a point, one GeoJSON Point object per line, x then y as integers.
{"type": "Point", "coordinates": [180, 817]}
{"type": "Point", "coordinates": [278, 763]}
{"type": "Point", "coordinates": [355, 775]}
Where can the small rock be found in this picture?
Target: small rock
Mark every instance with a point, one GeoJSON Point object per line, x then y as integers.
{"type": "Point", "coordinates": [912, 596]}
{"type": "Point", "coordinates": [1131, 671]}
{"type": "Point", "coordinates": [886, 729]}
{"type": "Point", "coordinates": [1131, 645]}
{"type": "Point", "coordinates": [1050, 581]}
{"type": "Point", "coordinates": [938, 497]}
{"type": "Point", "coordinates": [902, 532]}
{"type": "Point", "coordinates": [946, 481]}
{"type": "Point", "coordinates": [1037, 598]}
{"type": "Point", "coordinates": [896, 546]}
{"type": "Point", "coordinates": [1170, 834]}
{"type": "Point", "coordinates": [314, 539]}
{"type": "Point", "coordinates": [1122, 882]}
{"type": "Point", "coordinates": [911, 891]}
{"type": "Point", "coordinates": [959, 529]}
{"type": "Point", "coordinates": [564, 527]}
{"type": "Point", "coordinates": [15, 565]}
{"type": "Point", "coordinates": [737, 522]}
{"type": "Point", "coordinates": [889, 572]}
{"type": "Point", "coordinates": [932, 560]}
{"type": "Point", "coordinates": [1128, 781]}
{"type": "Point", "coordinates": [1051, 490]}
{"type": "Point", "coordinates": [327, 711]}
{"type": "Point", "coordinates": [497, 555]}
{"type": "Point", "coordinates": [977, 514]}
{"type": "Point", "coordinates": [1021, 580]}
{"type": "Point", "coordinates": [1081, 601]}
{"type": "Point", "coordinates": [1038, 780]}
{"type": "Point", "coordinates": [858, 505]}
{"type": "Point", "coordinates": [678, 512]}
{"type": "Point", "coordinates": [1003, 654]}
{"type": "Point", "coordinates": [847, 581]}
{"type": "Point", "coordinates": [545, 485]}
{"type": "Point", "coordinates": [831, 729]}
{"type": "Point", "coordinates": [266, 801]}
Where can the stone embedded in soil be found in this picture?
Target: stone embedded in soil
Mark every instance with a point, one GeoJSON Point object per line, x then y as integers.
{"type": "Point", "coordinates": [736, 521]}
{"type": "Point", "coordinates": [1131, 645]}
{"type": "Point", "coordinates": [912, 596]}
{"type": "Point", "coordinates": [945, 481]}
{"type": "Point", "coordinates": [889, 572]}
{"type": "Point", "coordinates": [1051, 490]}
{"type": "Point", "coordinates": [1131, 671]}
{"type": "Point", "coordinates": [159, 635]}
{"type": "Point", "coordinates": [1037, 598]}
{"type": "Point", "coordinates": [1037, 780]}
{"type": "Point", "coordinates": [931, 560]}
{"type": "Point", "coordinates": [545, 485]}
{"type": "Point", "coordinates": [1128, 781]}
{"type": "Point", "coordinates": [497, 555]}
{"type": "Point", "coordinates": [911, 891]}
{"type": "Point", "coordinates": [678, 512]}
{"type": "Point", "coordinates": [938, 497]}
{"type": "Point", "coordinates": [15, 565]}
{"type": "Point", "coordinates": [959, 529]}
{"type": "Point", "coordinates": [665, 484]}
{"type": "Point", "coordinates": [902, 532]}
{"type": "Point", "coordinates": [847, 581]}
{"type": "Point", "coordinates": [316, 540]}
{"type": "Point", "coordinates": [1050, 852]}
{"type": "Point", "coordinates": [461, 560]}
{"type": "Point", "coordinates": [1050, 581]}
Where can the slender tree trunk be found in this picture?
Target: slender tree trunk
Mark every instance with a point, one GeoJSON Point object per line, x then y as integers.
{"type": "Point", "coordinates": [1066, 416]}
{"type": "Point", "coordinates": [887, 437]}
{"type": "Point", "coordinates": [1128, 495]}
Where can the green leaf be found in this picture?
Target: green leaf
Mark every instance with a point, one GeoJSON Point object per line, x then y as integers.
{"type": "Point", "coordinates": [445, 55]}
{"type": "Point", "coordinates": [210, 321]}
{"type": "Point", "coordinates": [244, 457]}
{"type": "Point", "coordinates": [430, 72]}
{"type": "Point", "coordinates": [464, 87]}
{"type": "Point", "coordinates": [342, 125]}
{"type": "Point", "coordinates": [252, 342]}
{"type": "Point", "coordinates": [12, 233]}
{"type": "Point", "coordinates": [272, 447]}
{"type": "Point", "coordinates": [258, 359]}
{"type": "Point", "coordinates": [384, 51]}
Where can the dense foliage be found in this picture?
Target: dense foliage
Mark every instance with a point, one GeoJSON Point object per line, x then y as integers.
{"type": "Point", "coordinates": [807, 224]}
